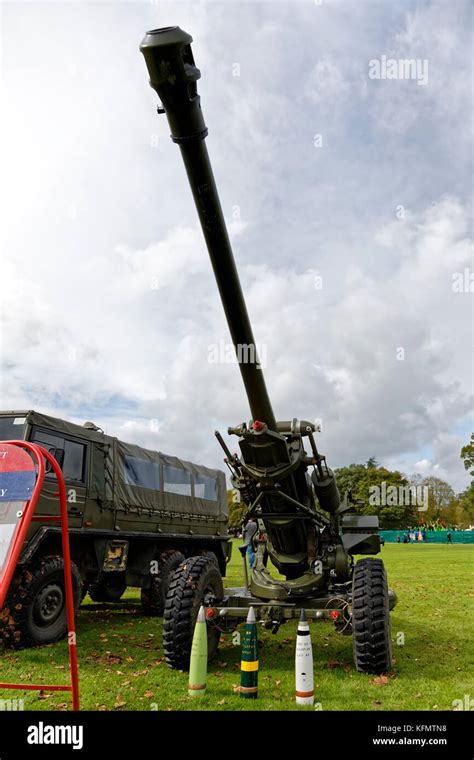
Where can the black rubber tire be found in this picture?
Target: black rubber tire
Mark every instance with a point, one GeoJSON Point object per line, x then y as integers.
{"type": "Point", "coordinates": [153, 596]}
{"type": "Point", "coordinates": [110, 589]}
{"type": "Point", "coordinates": [211, 555]}
{"type": "Point", "coordinates": [371, 637]}
{"type": "Point", "coordinates": [196, 579]}
{"type": "Point", "coordinates": [34, 612]}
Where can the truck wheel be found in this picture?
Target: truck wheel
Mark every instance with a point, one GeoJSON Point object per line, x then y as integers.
{"type": "Point", "coordinates": [371, 618]}
{"type": "Point", "coordinates": [211, 555]}
{"type": "Point", "coordinates": [34, 612]}
{"type": "Point", "coordinates": [108, 589]}
{"type": "Point", "coordinates": [154, 595]}
{"type": "Point", "coordinates": [196, 581]}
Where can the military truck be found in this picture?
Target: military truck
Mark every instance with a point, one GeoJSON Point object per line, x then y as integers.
{"type": "Point", "coordinates": [134, 516]}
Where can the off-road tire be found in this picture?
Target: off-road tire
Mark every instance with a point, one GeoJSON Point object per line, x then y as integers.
{"type": "Point", "coordinates": [153, 596]}
{"type": "Point", "coordinates": [34, 612]}
{"type": "Point", "coordinates": [196, 579]}
{"type": "Point", "coordinates": [371, 618]}
{"type": "Point", "coordinates": [211, 555]}
{"type": "Point", "coordinates": [100, 591]}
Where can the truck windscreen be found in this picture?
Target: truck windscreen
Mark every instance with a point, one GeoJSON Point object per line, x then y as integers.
{"type": "Point", "coordinates": [12, 428]}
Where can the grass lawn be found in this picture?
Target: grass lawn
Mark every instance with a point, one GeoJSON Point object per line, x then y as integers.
{"type": "Point", "coordinates": [122, 667]}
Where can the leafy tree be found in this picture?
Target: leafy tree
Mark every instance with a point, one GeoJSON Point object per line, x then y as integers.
{"type": "Point", "coordinates": [236, 510]}
{"type": "Point", "coordinates": [372, 463]}
{"type": "Point", "coordinates": [383, 492]}
{"type": "Point", "coordinates": [465, 504]}
{"type": "Point", "coordinates": [440, 500]}
{"type": "Point", "coordinates": [467, 453]}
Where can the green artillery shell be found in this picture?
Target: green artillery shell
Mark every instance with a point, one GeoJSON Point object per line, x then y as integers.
{"type": "Point", "coordinates": [249, 659]}
{"type": "Point", "coordinates": [198, 662]}
{"type": "Point", "coordinates": [304, 663]}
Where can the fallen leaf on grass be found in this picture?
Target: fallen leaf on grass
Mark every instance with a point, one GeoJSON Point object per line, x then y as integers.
{"type": "Point", "coordinates": [380, 680]}
{"type": "Point", "coordinates": [119, 702]}
{"type": "Point", "coordinates": [235, 688]}
{"type": "Point", "coordinates": [149, 694]}
{"type": "Point", "coordinates": [333, 664]}
{"type": "Point", "coordinates": [221, 702]}
{"type": "Point", "coordinates": [107, 659]}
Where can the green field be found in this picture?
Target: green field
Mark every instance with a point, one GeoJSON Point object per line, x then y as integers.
{"type": "Point", "coordinates": [122, 667]}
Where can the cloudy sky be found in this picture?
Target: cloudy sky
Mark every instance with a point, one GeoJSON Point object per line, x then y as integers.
{"type": "Point", "coordinates": [347, 199]}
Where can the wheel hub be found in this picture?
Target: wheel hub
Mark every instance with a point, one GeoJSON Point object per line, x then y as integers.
{"type": "Point", "coordinates": [48, 604]}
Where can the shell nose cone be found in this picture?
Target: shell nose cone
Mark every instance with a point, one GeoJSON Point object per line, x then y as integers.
{"type": "Point", "coordinates": [201, 618]}
{"type": "Point", "coordinates": [251, 616]}
{"type": "Point", "coordinates": [303, 618]}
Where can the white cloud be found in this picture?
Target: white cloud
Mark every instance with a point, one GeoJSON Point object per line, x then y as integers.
{"type": "Point", "coordinates": [109, 311]}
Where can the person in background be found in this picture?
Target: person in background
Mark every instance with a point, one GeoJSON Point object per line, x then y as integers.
{"type": "Point", "coordinates": [449, 537]}
{"type": "Point", "coordinates": [398, 538]}
{"type": "Point", "coordinates": [248, 534]}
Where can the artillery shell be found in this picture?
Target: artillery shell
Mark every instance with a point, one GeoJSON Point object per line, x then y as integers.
{"type": "Point", "coordinates": [249, 659]}
{"type": "Point", "coordinates": [198, 661]}
{"type": "Point", "coordinates": [304, 663]}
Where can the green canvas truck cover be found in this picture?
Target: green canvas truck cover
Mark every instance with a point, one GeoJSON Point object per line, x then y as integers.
{"type": "Point", "coordinates": [129, 478]}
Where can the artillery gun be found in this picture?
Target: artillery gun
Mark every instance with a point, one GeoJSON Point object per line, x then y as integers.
{"type": "Point", "coordinates": [307, 532]}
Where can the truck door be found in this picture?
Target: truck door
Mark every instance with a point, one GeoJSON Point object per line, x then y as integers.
{"type": "Point", "coordinates": [75, 468]}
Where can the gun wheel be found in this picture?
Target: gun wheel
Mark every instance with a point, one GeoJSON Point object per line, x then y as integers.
{"type": "Point", "coordinates": [153, 595]}
{"type": "Point", "coordinates": [196, 581]}
{"type": "Point", "coordinates": [371, 617]}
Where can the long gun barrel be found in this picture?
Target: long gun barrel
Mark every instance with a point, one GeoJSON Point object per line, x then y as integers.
{"type": "Point", "coordinates": [173, 75]}
{"type": "Point", "coordinates": [271, 474]}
